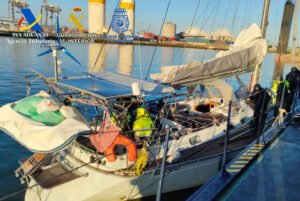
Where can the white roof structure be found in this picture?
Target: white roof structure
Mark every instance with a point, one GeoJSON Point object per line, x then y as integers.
{"type": "Point", "coordinates": [195, 32]}
{"type": "Point", "coordinates": [221, 32]}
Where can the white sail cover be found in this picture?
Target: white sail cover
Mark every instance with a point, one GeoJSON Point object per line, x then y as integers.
{"type": "Point", "coordinates": [247, 51]}
{"type": "Point", "coordinates": [38, 137]}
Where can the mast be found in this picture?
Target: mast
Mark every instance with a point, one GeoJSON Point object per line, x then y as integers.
{"type": "Point", "coordinates": [264, 19]}
{"type": "Point", "coordinates": [295, 32]}
{"type": "Point", "coordinates": [263, 26]}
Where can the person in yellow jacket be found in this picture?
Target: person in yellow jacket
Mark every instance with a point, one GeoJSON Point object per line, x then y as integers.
{"type": "Point", "coordinates": [280, 90]}
{"type": "Point", "coordinates": [143, 124]}
{"type": "Point", "coordinates": [275, 86]}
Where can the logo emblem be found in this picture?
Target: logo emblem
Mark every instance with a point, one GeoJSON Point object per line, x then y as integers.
{"type": "Point", "coordinates": [76, 22]}
{"type": "Point", "coordinates": [120, 21]}
{"type": "Point", "coordinates": [32, 21]}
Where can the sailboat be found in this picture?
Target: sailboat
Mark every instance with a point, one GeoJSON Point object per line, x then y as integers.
{"type": "Point", "coordinates": [105, 158]}
{"type": "Point", "coordinates": [71, 154]}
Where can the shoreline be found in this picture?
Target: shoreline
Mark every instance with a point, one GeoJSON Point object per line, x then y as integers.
{"type": "Point", "coordinates": [86, 40]}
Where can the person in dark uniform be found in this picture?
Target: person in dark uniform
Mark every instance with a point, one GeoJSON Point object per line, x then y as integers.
{"type": "Point", "coordinates": [259, 99]}
{"type": "Point", "coordinates": [293, 78]}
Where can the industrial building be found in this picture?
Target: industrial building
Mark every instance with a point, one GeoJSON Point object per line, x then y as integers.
{"type": "Point", "coordinates": [129, 6]}
{"type": "Point", "coordinates": [96, 16]}
{"type": "Point", "coordinates": [48, 11]}
{"type": "Point", "coordinates": [169, 30]}
{"type": "Point", "coordinates": [11, 23]}
{"type": "Point", "coordinates": [221, 34]}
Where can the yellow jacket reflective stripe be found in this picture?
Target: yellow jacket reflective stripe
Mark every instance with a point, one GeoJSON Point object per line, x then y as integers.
{"type": "Point", "coordinates": [275, 88]}
{"type": "Point", "coordinates": [118, 122]}
{"type": "Point", "coordinates": [143, 121]}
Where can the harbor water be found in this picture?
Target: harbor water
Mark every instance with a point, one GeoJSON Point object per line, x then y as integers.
{"type": "Point", "coordinates": [17, 59]}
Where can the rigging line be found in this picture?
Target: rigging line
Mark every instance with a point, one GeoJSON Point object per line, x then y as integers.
{"type": "Point", "coordinates": [155, 48]}
{"type": "Point", "coordinates": [167, 112]}
{"type": "Point", "coordinates": [193, 20]}
{"type": "Point", "coordinates": [250, 9]}
{"type": "Point", "coordinates": [205, 22]}
{"type": "Point", "coordinates": [192, 23]}
{"type": "Point", "coordinates": [105, 41]}
{"type": "Point", "coordinates": [203, 12]}
{"type": "Point", "coordinates": [234, 14]}
{"type": "Point", "coordinates": [140, 62]}
{"type": "Point", "coordinates": [197, 21]}
{"type": "Point", "coordinates": [226, 14]}
{"type": "Point", "coordinates": [209, 17]}
{"type": "Point", "coordinates": [133, 187]}
{"type": "Point", "coordinates": [244, 21]}
{"type": "Point", "coordinates": [214, 18]}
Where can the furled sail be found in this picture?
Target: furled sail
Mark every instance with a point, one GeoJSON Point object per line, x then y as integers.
{"type": "Point", "coordinates": [247, 51]}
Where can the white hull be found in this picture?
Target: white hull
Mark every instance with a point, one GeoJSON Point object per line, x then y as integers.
{"type": "Point", "coordinates": [99, 185]}
{"type": "Point", "coordinates": [100, 182]}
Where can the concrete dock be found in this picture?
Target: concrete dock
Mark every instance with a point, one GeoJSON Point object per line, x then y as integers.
{"type": "Point", "coordinates": [275, 176]}
{"type": "Point", "coordinates": [266, 171]}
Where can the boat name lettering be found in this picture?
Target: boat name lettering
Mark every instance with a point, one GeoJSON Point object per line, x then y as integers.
{"type": "Point", "coordinates": [4, 123]}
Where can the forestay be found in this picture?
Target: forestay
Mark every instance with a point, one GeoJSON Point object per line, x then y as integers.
{"type": "Point", "coordinates": [248, 50]}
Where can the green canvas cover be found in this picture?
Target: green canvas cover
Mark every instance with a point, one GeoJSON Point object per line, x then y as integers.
{"type": "Point", "coordinates": [27, 107]}
{"type": "Point", "coordinates": [49, 118]}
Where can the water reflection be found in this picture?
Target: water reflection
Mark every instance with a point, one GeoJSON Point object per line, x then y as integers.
{"type": "Point", "coordinates": [97, 63]}
{"type": "Point", "coordinates": [167, 56]}
{"type": "Point", "coordinates": [278, 69]}
{"type": "Point", "coordinates": [126, 58]}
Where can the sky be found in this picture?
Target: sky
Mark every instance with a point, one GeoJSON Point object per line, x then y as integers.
{"type": "Point", "coordinates": [211, 15]}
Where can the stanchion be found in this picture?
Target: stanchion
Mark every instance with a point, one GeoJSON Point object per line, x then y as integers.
{"type": "Point", "coordinates": [261, 117]}
{"type": "Point", "coordinates": [226, 139]}
{"type": "Point", "coordinates": [162, 169]}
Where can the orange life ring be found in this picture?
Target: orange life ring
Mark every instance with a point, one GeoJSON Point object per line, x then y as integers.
{"type": "Point", "coordinates": [128, 143]}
